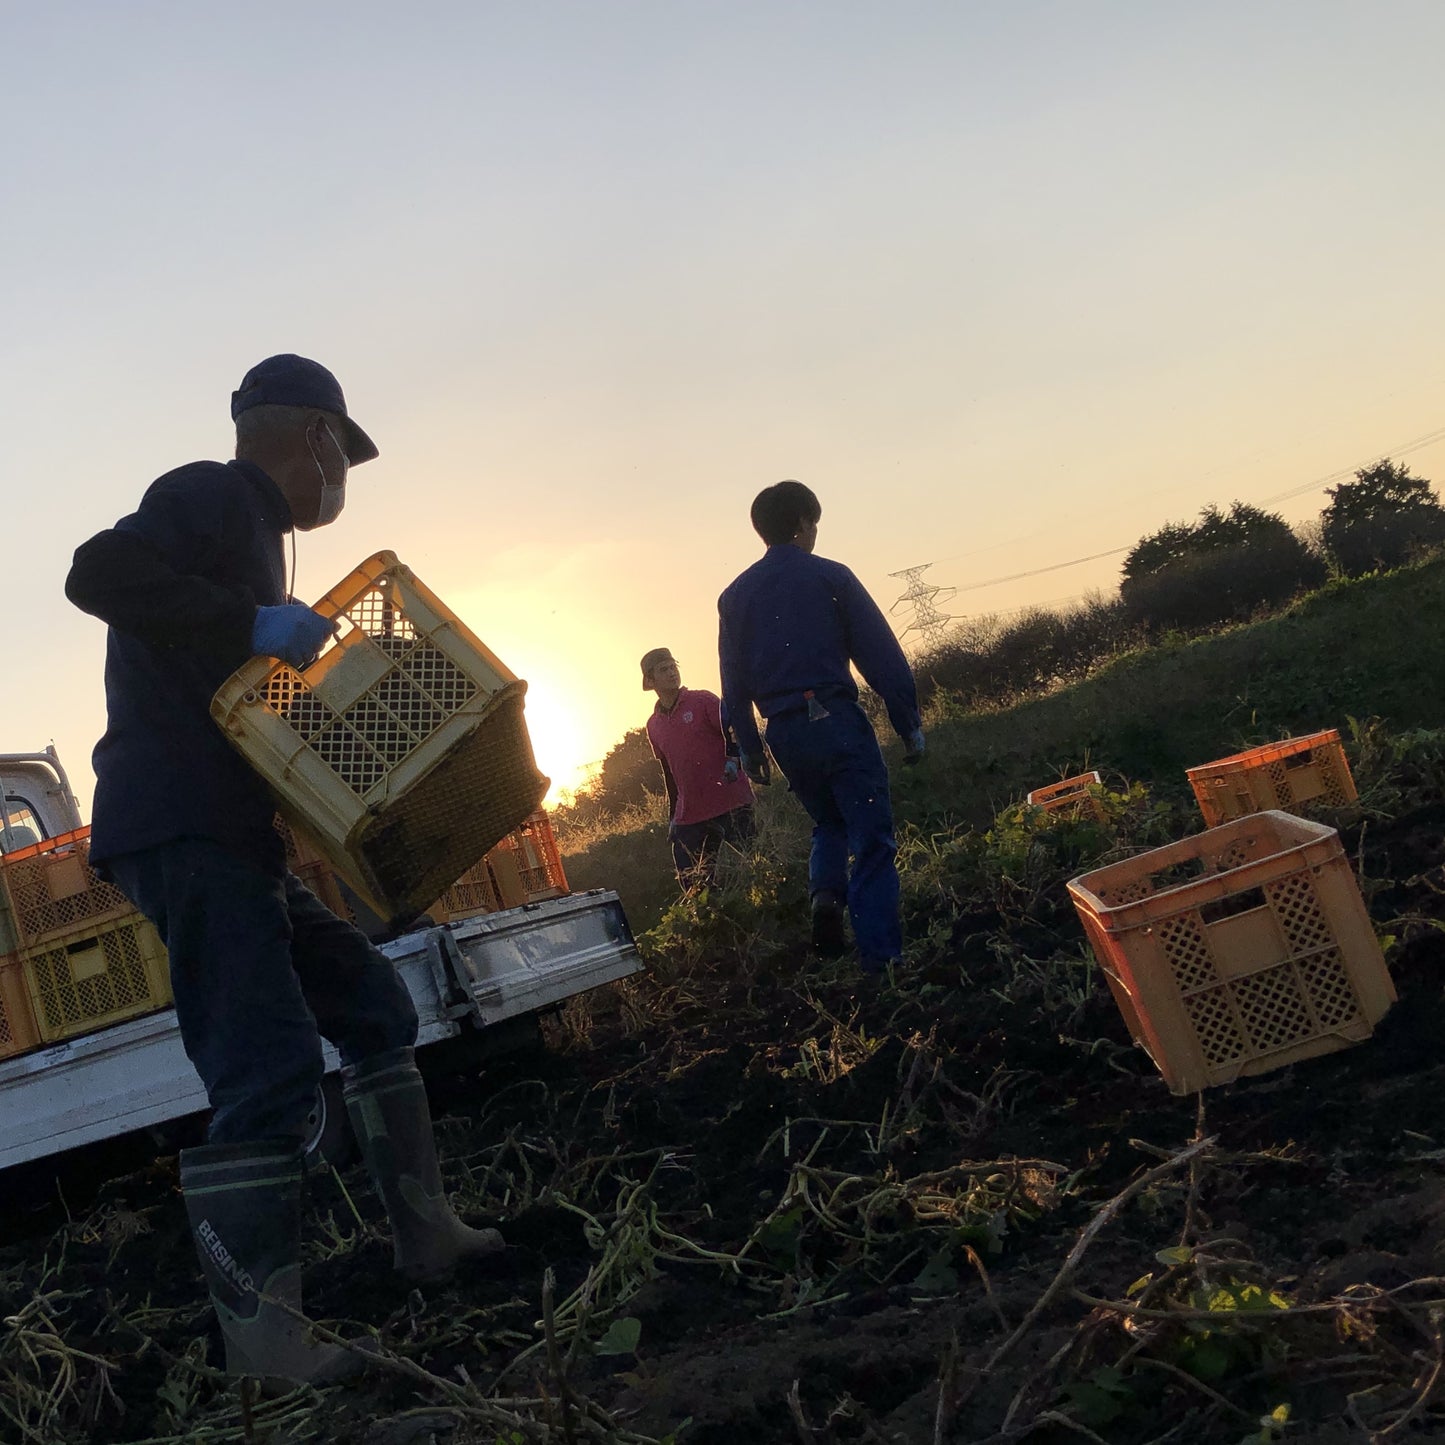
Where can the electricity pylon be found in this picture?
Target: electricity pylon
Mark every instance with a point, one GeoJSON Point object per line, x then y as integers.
{"type": "Point", "coordinates": [928, 621]}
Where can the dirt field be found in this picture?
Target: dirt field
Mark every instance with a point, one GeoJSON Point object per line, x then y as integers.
{"type": "Point", "coordinates": [767, 1205]}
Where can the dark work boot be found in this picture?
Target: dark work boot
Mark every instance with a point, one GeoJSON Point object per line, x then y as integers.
{"type": "Point", "coordinates": [829, 939]}
{"type": "Point", "coordinates": [244, 1205]}
{"type": "Point", "coordinates": [386, 1101]}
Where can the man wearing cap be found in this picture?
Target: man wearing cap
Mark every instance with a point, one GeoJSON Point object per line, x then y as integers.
{"type": "Point", "coordinates": [709, 802]}
{"type": "Point", "coordinates": [192, 584]}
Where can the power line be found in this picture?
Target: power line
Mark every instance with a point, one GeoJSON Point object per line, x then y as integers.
{"type": "Point", "coordinates": [1039, 571]}
{"type": "Point", "coordinates": [1404, 449]}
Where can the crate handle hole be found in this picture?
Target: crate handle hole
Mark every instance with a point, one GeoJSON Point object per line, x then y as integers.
{"type": "Point", "coordinates": [1244, 902]}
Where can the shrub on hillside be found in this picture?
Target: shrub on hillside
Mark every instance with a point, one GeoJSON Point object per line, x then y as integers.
{"type": "Point", "coordinates": [628, 775]}
{"type": "Point", "coordinates": [1202, 592]}
{"type": "Point", "coordinates": [986, 660]}
{"type": "Point", "coordinates": [1383, 518]}
{"type": "Point", "coordinates": [1223, 568]}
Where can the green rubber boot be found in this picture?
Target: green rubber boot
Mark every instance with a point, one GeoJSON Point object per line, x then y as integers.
{"type": "Point", "coordinates": [244, 1205]}
{"type": "Point", "coordinates": [386, 1101]}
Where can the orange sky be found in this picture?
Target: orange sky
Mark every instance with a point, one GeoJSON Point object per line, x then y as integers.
{"type": "Point", "coordinates": [1006, 285]}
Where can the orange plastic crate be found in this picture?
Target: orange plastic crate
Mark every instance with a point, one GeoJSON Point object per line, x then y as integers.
{"type": "Point", "coordinates": [474, 892]}
{"type": "Point", "coordinates": [18, 1032]}
{"type": "Point", "coordinates": [1238, 950]}
{"type": "Point", "coordinates": [1070, 796]}
{"type": "Point", "coordinates": [53, 890]}
{"type": "Point", "coordinates": [97, 976]}
{"type": "Point", "coordinates": [1284, 775]}
{"type": "Point", "coordinates": [538, 863]}
{"type": "Point", "coordinates": [525, 867]}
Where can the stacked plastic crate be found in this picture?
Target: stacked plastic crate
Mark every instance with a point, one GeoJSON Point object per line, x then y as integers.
{"type": "Point", "coordinates": [17, 1018]}
{"type": "Point", "coordinates": [526, 864]}
{"type": "Point", "coordinates": [311, 866]}
{"type": "Point", "coordinates": [84, 956]}
{"type": "Point", "coordinates": [525, 867]}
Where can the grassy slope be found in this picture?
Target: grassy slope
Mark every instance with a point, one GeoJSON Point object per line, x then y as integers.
{"type": "Point", "coordinates": [1370, 648]}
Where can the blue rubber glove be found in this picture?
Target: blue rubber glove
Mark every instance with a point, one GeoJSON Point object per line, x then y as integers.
{"type": "Point", "coordinates": [913, 746]}
{"type": "Point", "coordinates": [730, 770]}
{"type": "Point", "coordinates": [292, 632]}
{"type": "Point", "coordinates": [757, 769]}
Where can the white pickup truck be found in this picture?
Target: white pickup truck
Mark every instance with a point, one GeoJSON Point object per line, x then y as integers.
{"type": "Point", "coordinates": [472, 981]}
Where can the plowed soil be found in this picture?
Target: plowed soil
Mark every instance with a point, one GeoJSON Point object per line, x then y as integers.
{"type": "Point", "coordinates": [837, 1211]}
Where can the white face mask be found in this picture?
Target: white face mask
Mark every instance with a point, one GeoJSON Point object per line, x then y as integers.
{"type": "Point", "coordinates": [333, 494]}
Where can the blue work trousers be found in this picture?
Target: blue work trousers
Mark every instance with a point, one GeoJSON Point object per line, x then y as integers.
{"type": "Point", "coordinates": [262, 971]}
{"type": "Point", "coordinates": [835, 767]}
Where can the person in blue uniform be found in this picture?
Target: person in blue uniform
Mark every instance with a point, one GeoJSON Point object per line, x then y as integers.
{"type": "Point", "coordinates": [191, 585]}
{"type": "Point", "coordinates": [789, 629]}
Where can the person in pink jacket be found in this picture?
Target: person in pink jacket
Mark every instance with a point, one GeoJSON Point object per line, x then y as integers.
{"type": "Point", "coordinates": [709, 801]}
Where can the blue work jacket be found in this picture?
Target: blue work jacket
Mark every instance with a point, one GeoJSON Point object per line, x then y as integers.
{"type": "Point", "coordinates": [178, 582]}
{"type": "Point", "coordinates": [792, 624]}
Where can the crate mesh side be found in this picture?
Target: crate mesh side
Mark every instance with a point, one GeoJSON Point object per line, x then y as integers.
{"type": "Point", "coordinates": [1334, 772]}
{"type": "Point", "coordinates": [438, 677]}
{"type": "Point", "coordinates": [64, 1000]}
{"type": "Point", "coordinates": [420, 691]}
{"type": "Point", "coordinates": [1298, 910]}
{"type": "Point", "coordinates": [1130, 890]}
{"type": "Point", "coordinates": [1220, 1040]}
{"type": "Point", "coordinates": [7, 1034]}
{"type": "Point", "coordinates": [409, 704]}
{"type": "Point", "coordinates": [37, 912]}
{"type": "Point", "coordinates": [478, 793]}
{"type": "Point", "coordinates": [383, 621]}
{"type": "Point", "coordinates": [472, 891]}
{"type": "Point", "coordinates": [1187, 949]}
{"type": "Point", "coordinates": [1329, 986]}
{"type": "Point", "coordinates": [1273, 1008]}
{"type": "Point", "coordinates": [349, 757]}
{"type": "Point", "coordinates": [1278, 778]}
{"type": "Point", "coordinates": [1309, 992]}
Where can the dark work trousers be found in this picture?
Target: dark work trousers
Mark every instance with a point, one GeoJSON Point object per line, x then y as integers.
{"type": "Point", "coordinates": [695, 845]}
{"type": "Point", "coordinates": [835, 767]}
{"type": "Point", "coordinates": [262, 971]}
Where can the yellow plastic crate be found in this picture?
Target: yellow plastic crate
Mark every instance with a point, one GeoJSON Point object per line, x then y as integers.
{"type": "Point", "coordinates": [1070, 796]}
{"type": "Point", "coordinates": [1284, 775]}
{"type": "Point", "coordinates": [97, 977]}
{"type": "Point", "coordinates": [401, 751]}
{"type": "Point", "coordinates": [17, 1019]}
{"type": "Point", "coordinates": [1237, 950]}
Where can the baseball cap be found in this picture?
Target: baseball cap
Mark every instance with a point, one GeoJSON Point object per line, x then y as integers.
{"type": "Point", "coordinates": [652, 659]}
{"type": "Point", "coordinates": [290, 380]}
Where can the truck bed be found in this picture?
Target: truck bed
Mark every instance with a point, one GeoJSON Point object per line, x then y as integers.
{"type": "Point", "coordinates": [466, 975]}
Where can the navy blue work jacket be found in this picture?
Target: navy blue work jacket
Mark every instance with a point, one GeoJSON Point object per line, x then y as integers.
{"type": "Point", "coordinates": [178, 582]}
{"type": "Point", "coordinates": [792, 624]}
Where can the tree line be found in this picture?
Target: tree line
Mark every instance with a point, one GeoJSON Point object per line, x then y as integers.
{"type": "Point", "coordinates": [1229, 565]}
